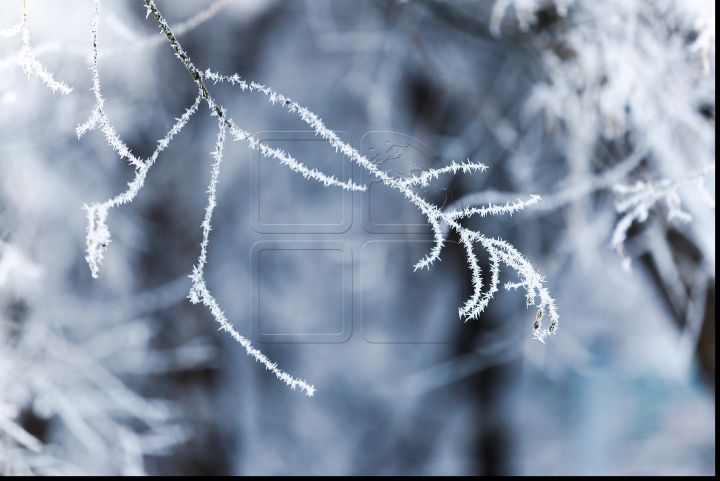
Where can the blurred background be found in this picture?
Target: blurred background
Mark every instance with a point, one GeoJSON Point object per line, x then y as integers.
{"type": "Point", "coordinates": [564, 99]}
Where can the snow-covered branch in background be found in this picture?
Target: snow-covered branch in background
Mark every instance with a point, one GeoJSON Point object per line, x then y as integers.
{"type": "Point", "coordinates": [625, 74]}
{"type": "Point", "coordinates": [45, 375]}
{"type": "Point", "coordinates": [560, 198]}
{"type": "Point", "coordinates": [525, 11]}
{"type": "Point", "coordinates": [158, 39]}
{"type": "Point", "coordinates": [705, 41]}
{"type": "Point", "coordinates": [639, 198]}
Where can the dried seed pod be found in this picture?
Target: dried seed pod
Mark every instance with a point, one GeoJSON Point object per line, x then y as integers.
{"type": "Point", "coordinates": [536, 325]}
{"type": "Point", "coordinates": [539, 315]}
{"type": "Point", "coordinates": [553, 326]}
{"type": "Point", "coordinates": [530, 300]}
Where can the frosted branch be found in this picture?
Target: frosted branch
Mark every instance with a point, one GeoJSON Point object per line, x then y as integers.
{"type": "Point", "coordinates": [499, 252]}
{"type": "Point", "coordinates": [26, 57]}
{"type": "Point", "coordinates": [492, 209]}
{"type": "Point", "coordinates": [200, 293]}
{"type": "Point", "coordinates": [278, 154]}
{"type": "Point", "coordinates": [98, 236]}
{"type": "Point", "coordinates": [11, 31]}
{"type": "Point", "coordinates": [424, 178]}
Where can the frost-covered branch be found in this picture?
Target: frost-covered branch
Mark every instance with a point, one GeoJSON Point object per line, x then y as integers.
{"type": "Point", "coordinates": [423, 180]}
{"type": "Point", "coordinates": [98, 236]}
{"type": "Point", "coordinates": [200, 293]}
{"type": "Point", "coordinates": [11, 31]}
{"type": "Point", "coordinates": [26, 57]}
{"type": "Point", "coordinates": [98, 116]}
{"type": "Point", "coordinates": [499, 251]}
{"type": "Point", "coordinates": [278, 154]}
{"type": "Point", "coordinates": [492, 209]}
